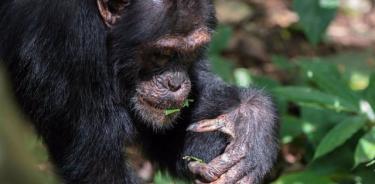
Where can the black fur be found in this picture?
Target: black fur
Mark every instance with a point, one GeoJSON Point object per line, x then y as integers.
{"type": "Point", "coordinates": [73, 77]}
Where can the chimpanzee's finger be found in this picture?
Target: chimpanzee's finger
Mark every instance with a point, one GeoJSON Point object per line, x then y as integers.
{"type": "Point", "coordinates": [221, 123]}
{"type": "Point", "coordinates": [234, 174]}
{"type": "Point", "coordinates": [206, 125]}
{"type": "Point", "coordinates": [203, 171]}
{"type": "Point", "coordinates": [218, 166]}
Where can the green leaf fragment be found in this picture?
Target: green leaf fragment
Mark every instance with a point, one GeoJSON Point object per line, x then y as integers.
{"type": "Point", "coordinates": [192, 158]}
{"type": "Point", "coordinates": [186, 103]}
{"type": "Point", "coordinates": [171, 111]}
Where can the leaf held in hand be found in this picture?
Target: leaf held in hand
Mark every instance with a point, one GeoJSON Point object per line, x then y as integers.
{"type": "Point", "coordinates": [191, 158]}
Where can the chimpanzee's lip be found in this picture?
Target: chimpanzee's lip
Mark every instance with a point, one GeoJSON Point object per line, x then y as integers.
{"type": "Point", "coordinates": [159, 110]}
{"type": "Point", "coordinates": [182, 43]}
{"type": "Point", "coordinates": [149, 104]}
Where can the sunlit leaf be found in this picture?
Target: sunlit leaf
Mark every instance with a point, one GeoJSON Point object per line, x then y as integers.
{"type": "Point", "coordinates": [242, 77]}
{"type": "Point", "coordinates": [365, 151]}
{"type": "Point", "coordinates": [339, 135]}
{"type": "Point", "coordinates": [329, 3]}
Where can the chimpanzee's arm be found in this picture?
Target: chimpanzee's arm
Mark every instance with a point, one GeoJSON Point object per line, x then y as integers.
{"type": "Point", "coordinates": [246, 117]}
{"type": "Point", "coordinates": [84, 130]}
{"type": "Point", "coordinates": [91, 149]}
{"type": "Point", "coordinates": [59, 72]}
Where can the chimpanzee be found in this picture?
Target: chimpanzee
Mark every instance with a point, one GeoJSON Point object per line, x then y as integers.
{"type": "Point", "coordinates": [96, 76]}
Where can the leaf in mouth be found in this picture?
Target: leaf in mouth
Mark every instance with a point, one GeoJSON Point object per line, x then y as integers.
{"type": "Point", "coordinates": [186, 103]}
{"type": "Point", "coordinates": [168, 112]}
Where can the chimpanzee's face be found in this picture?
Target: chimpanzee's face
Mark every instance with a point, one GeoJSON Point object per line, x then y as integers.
{"type": "Point", "coordinates": [153, 45]}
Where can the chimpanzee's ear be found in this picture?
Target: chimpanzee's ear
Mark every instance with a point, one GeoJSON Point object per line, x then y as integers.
{"type": "Point", "coordinates": [110, 10]}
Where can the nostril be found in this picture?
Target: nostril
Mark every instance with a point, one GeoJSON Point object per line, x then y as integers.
{"type": "Point", "coordinates": [174, 85]}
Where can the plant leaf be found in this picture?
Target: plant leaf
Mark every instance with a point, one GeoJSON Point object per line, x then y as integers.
{"type": "Point", "coordinates": [291, 128]}
{"type": "Point", "coordinates": [315, 17]}
{"type": "Point", "coordinates": [370, 91]}
{"type": "Point", "coordinates": [328, 78]}
{"type": "Point", "coordinates": [308, 96]}
{"type": "Point", "coordinates": [365, 151]}
{"type": "Point", "coordinates": [339, 135]}
{"type": "Point", "coordinates": [329, 3]}
{"type": "Point", "coordinates": [305, 177]}
{"type": "Point", "coordinates": [220, 40]}
{"type": "Point", "coordinates": [222, 67]}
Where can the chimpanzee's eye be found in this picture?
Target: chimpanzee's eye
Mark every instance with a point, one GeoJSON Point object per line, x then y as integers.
{"type": "Point", "coordinates": [118, 5]}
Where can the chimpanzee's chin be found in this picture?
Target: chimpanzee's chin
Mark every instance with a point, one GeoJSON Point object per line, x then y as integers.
{"type": "Point", "coordinates": [156, 118]}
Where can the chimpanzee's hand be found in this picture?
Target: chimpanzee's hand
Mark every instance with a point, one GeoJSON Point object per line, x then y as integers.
{"type": "Point", "coordinates": [252, 149]}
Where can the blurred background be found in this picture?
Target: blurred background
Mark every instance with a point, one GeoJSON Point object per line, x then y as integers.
{"type": "Point", "coordinates": [316, 57]}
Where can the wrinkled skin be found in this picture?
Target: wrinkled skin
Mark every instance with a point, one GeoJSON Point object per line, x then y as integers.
{"type": "Point", "coordinates": [233, 166]}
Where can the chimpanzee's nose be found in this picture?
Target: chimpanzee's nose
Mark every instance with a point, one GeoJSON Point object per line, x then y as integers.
{"type": "Point", "coordinates": [174, 84]}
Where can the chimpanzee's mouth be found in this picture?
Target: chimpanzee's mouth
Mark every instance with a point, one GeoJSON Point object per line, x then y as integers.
{"type": "Point", "coordinates": [158, 107]}
{"type": "Point", "coordinates": [157, 115]}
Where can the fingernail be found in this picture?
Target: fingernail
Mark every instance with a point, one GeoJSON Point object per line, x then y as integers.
{"type": "Point", "coordinates": [192, 128]}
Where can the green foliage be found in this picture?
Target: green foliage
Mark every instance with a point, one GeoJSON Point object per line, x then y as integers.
{"type": "Point", "coordinates": [322, 109]}
{"type": "Point", "coordinates": [328, 79]}
{"type": "Point", "coordinates": [165, 178]}
{"type": "Point", "coordinates": [304, 178]}
{"type": "Point", "coordinates": [369, 93]}
{"type": "Point", "coordinates": [339, 134]}
{"type": "Point", "coordinates": [17, 164]}
{"type": "Point", "coordinates": [336, 120]}
{"type": "Point", "coordinates": [315, 16]}
{"type": "Point", "coordinates": [311, 97]}
{"type": "Point", "coordinates": [333, 117]}
{"type": "Point", "coordinates": [365, 151]}
{"type": "Point", "coordinates": [220, 65]}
